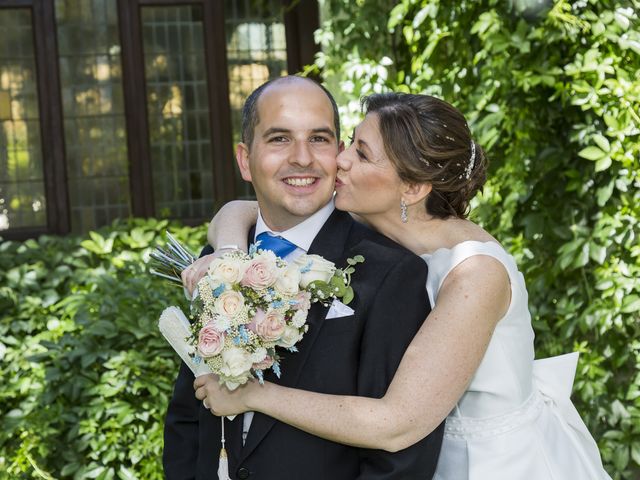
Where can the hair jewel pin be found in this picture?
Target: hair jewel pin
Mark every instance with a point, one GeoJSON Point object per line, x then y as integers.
{"type": "Point", "coordinates": [472, 161]}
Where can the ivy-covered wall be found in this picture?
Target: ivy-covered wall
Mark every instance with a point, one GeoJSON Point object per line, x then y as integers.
{"type": "Point", "coordinates": [552, 92]}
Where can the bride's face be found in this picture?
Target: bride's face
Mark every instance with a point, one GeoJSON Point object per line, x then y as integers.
{"type": "Point", "coordinates": [367, 183]}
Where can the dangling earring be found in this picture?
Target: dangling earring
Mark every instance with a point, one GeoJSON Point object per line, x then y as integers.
{"type": "Point", "coordinates": [403, 211]}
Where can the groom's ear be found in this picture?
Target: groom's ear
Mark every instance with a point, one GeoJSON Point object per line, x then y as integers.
{"type": "Point", "coordinates": [416, 192]}
{"type": "Point", "coordinates": [242, 158]}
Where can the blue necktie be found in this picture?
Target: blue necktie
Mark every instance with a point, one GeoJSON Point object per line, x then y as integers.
{"type": "Point", "coordinates": [278, 245]}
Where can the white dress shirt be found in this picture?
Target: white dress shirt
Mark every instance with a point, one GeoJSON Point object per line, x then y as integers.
{"type": "Point", "coordinates": [302, 236]}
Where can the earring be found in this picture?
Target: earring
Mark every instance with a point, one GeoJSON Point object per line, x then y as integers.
{"type": "Point", "coordinates": [403, 211]}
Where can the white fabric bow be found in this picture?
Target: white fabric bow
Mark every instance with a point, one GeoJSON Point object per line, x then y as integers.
{"type": "Point", "coordinates": [553, 377]}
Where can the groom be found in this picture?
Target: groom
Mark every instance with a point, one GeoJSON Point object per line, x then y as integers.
{"type": "Point", "coordinates": [290, 142]}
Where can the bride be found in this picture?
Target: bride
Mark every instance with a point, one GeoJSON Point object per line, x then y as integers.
{"type": "Point", "coordinates": [508, 416]}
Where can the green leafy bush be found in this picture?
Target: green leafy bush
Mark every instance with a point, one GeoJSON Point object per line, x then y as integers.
{"type": "Point", "coordinates": [552, 91]}
{"type": "Point", "coordinates": [86, 374]}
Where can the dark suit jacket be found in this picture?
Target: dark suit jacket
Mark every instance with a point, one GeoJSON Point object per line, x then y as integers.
{"type": "Point", "coordinates": [354, 355]}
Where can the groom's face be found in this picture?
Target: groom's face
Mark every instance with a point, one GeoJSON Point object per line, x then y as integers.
{"type": "Point", "coordinates": [292, 159]}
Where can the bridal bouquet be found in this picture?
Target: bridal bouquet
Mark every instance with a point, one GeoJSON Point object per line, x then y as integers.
{"type": "Point", "coordinates": [250, 303]}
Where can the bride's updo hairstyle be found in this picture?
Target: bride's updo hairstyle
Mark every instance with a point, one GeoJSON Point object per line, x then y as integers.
{"type": "Point", "coordinates": [429, 141]}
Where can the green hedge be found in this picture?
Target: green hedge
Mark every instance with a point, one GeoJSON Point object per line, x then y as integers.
{"type": "Point", "coordinates": [86, 376]}
{"type": "Point", "coordinates": [552, 91]}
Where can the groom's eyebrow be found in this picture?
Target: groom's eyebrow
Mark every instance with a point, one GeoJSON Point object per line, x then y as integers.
{"type": "Point", "coordinates": [282, 130]}
{"type": "Point", "coordinates": [275, 130]}
{"type": "Point", "coordinates": [324, 130]}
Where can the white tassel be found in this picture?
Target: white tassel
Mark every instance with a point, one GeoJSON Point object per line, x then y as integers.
{"type": "Point", "coordinates": [223, 464]}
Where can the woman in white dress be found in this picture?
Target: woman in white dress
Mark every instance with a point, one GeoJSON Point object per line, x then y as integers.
{"type": "Point", "coordinates": [410, 172]}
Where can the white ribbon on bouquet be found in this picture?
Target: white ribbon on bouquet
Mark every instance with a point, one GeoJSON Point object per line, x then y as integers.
{"type": "Point", "coordinates": [175, 328]}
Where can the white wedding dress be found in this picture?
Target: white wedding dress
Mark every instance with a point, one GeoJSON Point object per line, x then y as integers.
{"type": "Point", "coordinates": [516, 420]}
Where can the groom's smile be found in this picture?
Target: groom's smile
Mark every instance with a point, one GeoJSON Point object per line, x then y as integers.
{"type": "Point", "coordinates": [300, 182]}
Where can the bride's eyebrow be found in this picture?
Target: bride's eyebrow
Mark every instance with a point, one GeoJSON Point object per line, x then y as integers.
{"type": "Point", "coordinates": [364, 145]}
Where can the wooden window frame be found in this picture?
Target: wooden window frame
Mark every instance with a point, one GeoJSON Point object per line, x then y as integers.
{"type": "Point", "coordinates": [51, 127]}
{"type": "Point", "coordinates": [300, 51]}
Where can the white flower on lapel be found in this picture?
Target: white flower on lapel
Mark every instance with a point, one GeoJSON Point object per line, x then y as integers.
{"type": "Point", "coordinates": [314, 268]}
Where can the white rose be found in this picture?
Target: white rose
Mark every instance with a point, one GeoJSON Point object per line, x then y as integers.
{"type": "Point", "coordinates": [288, 281]}
{"type": "Point", "coordinates": [303, 301]}
{"type": "Point", "coordinates": [299, 318]}
{"type": "Point", "coordinates": [235, 382]}
{"type": "Point", "coordinates": [229, 270]}
{"type": "Point", "coordinates": [314, 267]}
{"type": "Point", "coordinates": [229, 303]}
{"type": "Point", "coordinates": [235, 362]}
{"type": "Point", "coordinates": [259, 355]}
{"type": "Point", "coordinates": [290, 337]}
{"type": "Point", "coordinates": [222, 323]}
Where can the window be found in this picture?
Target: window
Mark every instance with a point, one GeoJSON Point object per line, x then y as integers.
{"type": "Point", "coordinates": [22, 190]}
{"type": "Point", "coordinates": [112, 108]}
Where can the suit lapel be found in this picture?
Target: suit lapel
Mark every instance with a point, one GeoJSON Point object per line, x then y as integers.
{"type": "Point", "coordinates": [330, 244]}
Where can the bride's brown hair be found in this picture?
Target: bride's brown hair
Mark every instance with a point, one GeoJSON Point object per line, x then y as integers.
{"type": "Point", "coordinates": [429, 141]}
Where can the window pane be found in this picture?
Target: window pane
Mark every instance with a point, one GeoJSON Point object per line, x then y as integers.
{"type": "Point", "coordinates": [256, 52]}
{"type": "Point", "coordinates": [22, 196]}
{"type": "Point", "coordinates": [93, 109]}
{"type": "Point", "coordinates": [178, 109]}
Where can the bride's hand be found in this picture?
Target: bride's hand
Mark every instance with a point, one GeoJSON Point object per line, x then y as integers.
{"type": "Point", "coordinates": [237, 217]}
{"type": "Point", "coordinates": [198, 269]}
{"type": "Point", "coordinates": [219, 399]}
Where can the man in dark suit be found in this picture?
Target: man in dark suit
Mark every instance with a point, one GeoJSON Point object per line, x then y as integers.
{"type": "Point", "coordinates": [290, 141]}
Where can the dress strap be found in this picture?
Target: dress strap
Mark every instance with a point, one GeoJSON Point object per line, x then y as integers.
{"type": "Point", "coordinates": [443, 260]}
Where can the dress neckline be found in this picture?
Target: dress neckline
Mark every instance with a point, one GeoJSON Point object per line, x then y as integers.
{"type": "Point", "coordinates": [457, 245]}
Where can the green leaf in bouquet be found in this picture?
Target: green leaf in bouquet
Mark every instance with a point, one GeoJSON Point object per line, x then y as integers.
{"type": "Point", "coordinates": [337, 282]}
{"type": "Point", "coordinates": [348, 296]}
{"type": "Point", "coordinates": [321, 290]}
{"type": "Point", "coordinates": [355, 260]}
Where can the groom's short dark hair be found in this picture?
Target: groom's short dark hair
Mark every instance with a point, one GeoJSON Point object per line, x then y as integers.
{"type": "Point", "coordinates": [250, 110]}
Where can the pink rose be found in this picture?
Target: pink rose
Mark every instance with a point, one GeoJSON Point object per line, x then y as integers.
{"type": "Point", "coordinates": [261, 273]}
{"type": "Point", "coordinates": [269, 326]}
{"type": "Point", "coordinates": [210, 340]}
{"type": "Point", "coordinates": [266, 362]}
{"type": "Point", "coordinates": [303, 301]}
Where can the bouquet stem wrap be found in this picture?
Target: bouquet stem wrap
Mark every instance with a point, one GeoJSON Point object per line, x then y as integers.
{"type": "Point", "coordinates": [175, 328]}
